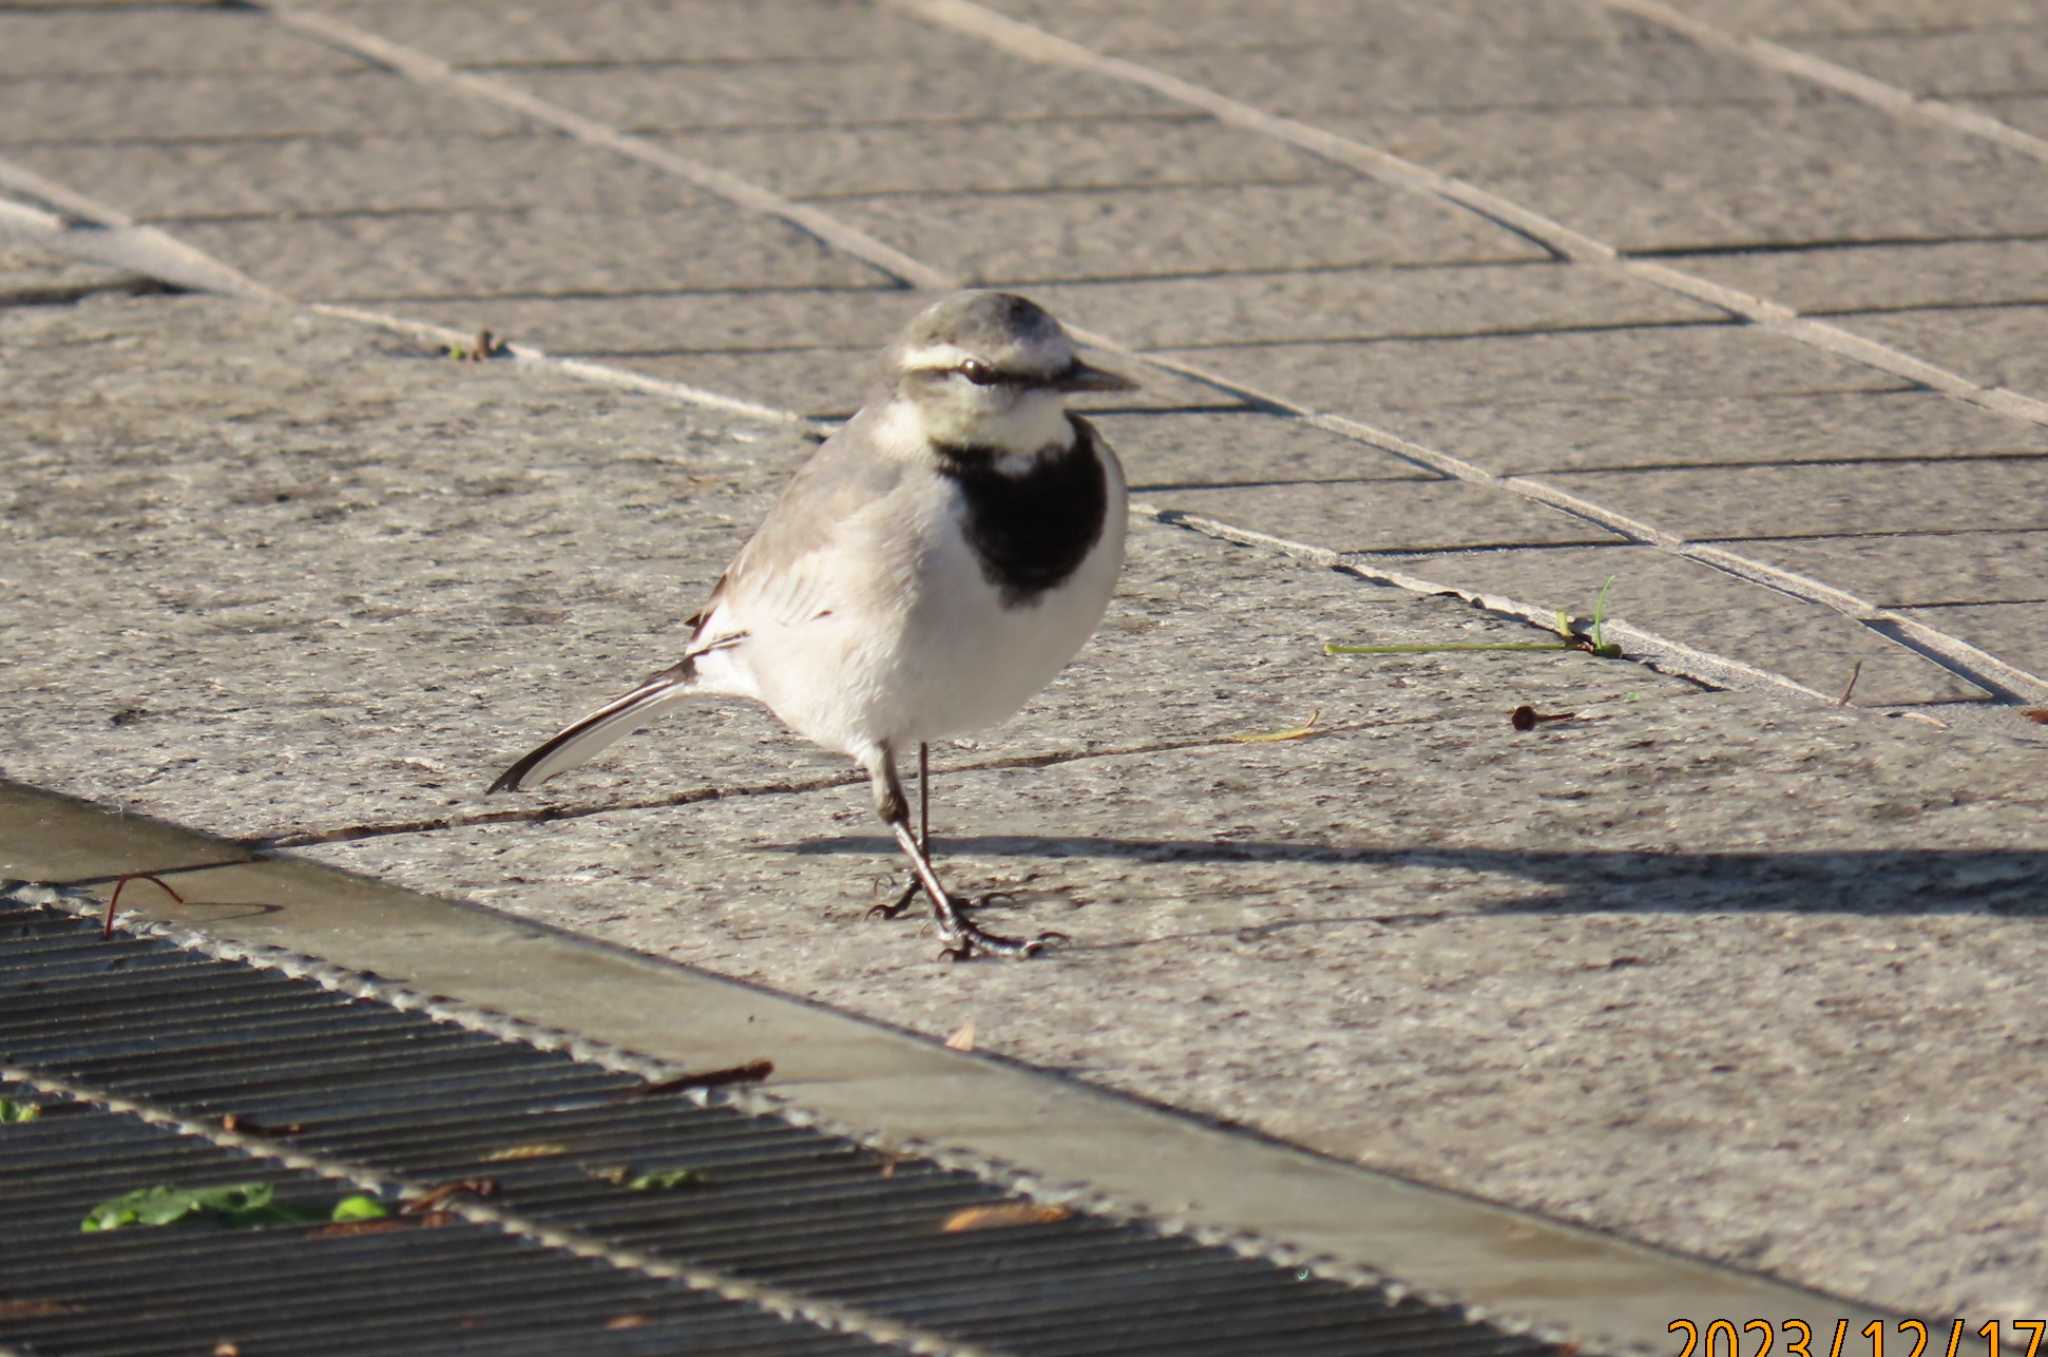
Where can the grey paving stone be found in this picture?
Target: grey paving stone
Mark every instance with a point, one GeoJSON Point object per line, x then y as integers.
{"type": "Point", "coordinates": [1340, 304]}
{"type": "Point", "coordinates": [1974, 272]}
{"type": "Point", "coordinates": [989, 157]}
{"type": "Point", "coordinates": [634, 32]}
{"type": "Point", "coordinates": [1901, 200]}
{"type": "Point", "coordinates": [683, 323]}
{"type": "Point", "coordinates": [1905, 570]}
{"type": "Point", "coordinates": [2027, 112]}
{"type": "Point", "coordinates": [1398, 69]}
{"type": "Point", "coordinates": [2001, 60]}
{"type": "Point", "coordinates": [285, 176]}
{"type": "Point", "coordinates": [1059, 237]}
{"type": "Point", "coordinates": [97, 40]}
{"type": "Point", "coordinates": [943, 78]}
{"type": "Point", "coordinates": [1140, 314]}
{"type": "Point", "coordinates": [1678, 178]}
{"type": "Point", "coordinates": [1178, 451]}
{"type": "Point", "coordinates": [1788, 18]}
{"type": "Point", "coordinates": [1174, 25]}
{"type": "Point", "coordinates": [1680, 599]}
{"type": "Point", "coordinates": [2015, 632]}
{"type": "Point", "coordinates": [1397, 375]}
{"type": "Point", "coordinates": [37, 110]}
{"type": "Point", "coordinates": [1992, 346]}
{"type": "Point", "coordinates": [829, 383]}
{"type": "Point", "coordinates": [1403, 515]}
{"type": "Point", "coordinates": [1877, 423]}
{"type": "Point", "coordinates": [525, 251]}
{"type": "Point", "coordinates": [249, 522]}
{"type": "Point", "coordinates": [1827, 498]}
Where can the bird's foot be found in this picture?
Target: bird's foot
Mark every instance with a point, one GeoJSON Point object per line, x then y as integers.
{"type": "Point", "coordinates": [912, 889]}
{"type": "Point", "coordinates": [903, 902]}
{"type": "Point", "coordinates": [966, 940]}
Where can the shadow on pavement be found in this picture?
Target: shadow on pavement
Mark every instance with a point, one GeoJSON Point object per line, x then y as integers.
{"type": "Point", "coordinates": [1588, 881]}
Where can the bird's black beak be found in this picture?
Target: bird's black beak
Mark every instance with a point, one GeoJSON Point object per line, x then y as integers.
{"type": "Point", "coordinates": [1087, 377]}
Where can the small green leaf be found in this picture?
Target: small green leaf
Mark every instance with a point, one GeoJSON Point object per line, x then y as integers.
{"type": "Point", "coordinates": [359, 1207]}
{"type": "Point", "coordinates": [240, 1205]}
{"type": "Point", "coordinates": [14, 1112]}
{"type": "Point", "coordinates": [235, 1198]}
{"type": "Point", "coordinates": [664, 1180]}
{"type": "Point", "coordinates": [1600, 644]}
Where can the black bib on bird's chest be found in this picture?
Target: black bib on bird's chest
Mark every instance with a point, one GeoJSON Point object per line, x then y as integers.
{"type": "Point", "coordinates": [1030, 532]}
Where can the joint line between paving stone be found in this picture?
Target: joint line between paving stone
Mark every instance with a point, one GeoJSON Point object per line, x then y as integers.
{"type": "Point", "coordinates": [432, 71]}
{"type": "Point", "coordinates": [106, 235]}
{"type": "Point", "coordinates": [1647, 649]}
{"type": "Point", "coordinates": [1869, 89]}
{"type": "Point", "coordinates": [787, 1304]}
{"type": "Point", "coordinates": [111, 239]}
{"type": "Point", "coordinates": [575, 367]}
{"type": "Point", "coordinates": [2003, 679]}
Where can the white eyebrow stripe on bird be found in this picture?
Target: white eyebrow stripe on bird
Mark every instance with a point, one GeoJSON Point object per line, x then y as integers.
{"type": "Point", "coordinates": [935, 358]}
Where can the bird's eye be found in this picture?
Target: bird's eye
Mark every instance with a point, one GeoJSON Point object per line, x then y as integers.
{"type": "Point", "coordinates": [978, 372]}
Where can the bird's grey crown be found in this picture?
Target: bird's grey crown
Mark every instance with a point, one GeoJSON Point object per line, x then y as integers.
{"type": "Point", "coordinates": [1008, 332]}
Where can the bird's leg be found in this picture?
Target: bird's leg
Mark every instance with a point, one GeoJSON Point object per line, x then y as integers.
{"type": "Point", "coordinates": [924, 837]}
{"type": "Point", "coordinates": [963, 938]}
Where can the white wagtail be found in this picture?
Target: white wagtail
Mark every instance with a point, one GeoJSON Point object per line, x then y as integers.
{"type": "Point", "coordinates": [932, 566]}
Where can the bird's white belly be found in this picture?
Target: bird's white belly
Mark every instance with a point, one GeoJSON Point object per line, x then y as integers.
{"type": "Point", "coordinates": [957, 659]}
{"type": "Point", "coordinates": [976, 661]}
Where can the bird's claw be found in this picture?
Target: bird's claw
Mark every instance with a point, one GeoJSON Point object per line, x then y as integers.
{"type": "Point", "coordinates": [891, 911]}
{"type": "Point", "coordinates": [913, 890]}
{"type": "Point", "coordinates": [971, 942]}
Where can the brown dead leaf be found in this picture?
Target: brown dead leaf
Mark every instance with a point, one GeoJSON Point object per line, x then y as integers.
{"type": "Point", "coordinates": [35, 1309]}
{"type": "Point", "coordinates": [241, 1125]}
{"type": "Point", "coordinates": [510, 1153]}
{"type": "Point", "coordinates": [962, 1038]}
{"type": "Point", "coordinates": [349, 1229]}
{"type": "Point", "coordinates": [2038, 715]}
{"type": "Point", "coordinates": [629, 1321]}
{"type": "Point", "coordinates": [1300, 732]}
{"type": "Point", "coordinates": [753, 1072]}
{"type": "Point", "coordinates": [1002, 1215]}
{"type": "Point", "coordinates": [432, 1199]}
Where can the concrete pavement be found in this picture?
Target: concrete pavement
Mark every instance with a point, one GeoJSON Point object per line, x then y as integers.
{"type": "Point", "coordinates": [1502, 300]}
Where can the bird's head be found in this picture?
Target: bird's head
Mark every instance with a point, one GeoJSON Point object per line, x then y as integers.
{"type": "Point", "coordinates": [991, 370]}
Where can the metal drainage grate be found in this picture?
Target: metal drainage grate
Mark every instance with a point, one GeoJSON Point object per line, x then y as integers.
{"type": "Point", "coordinates": [782, 1239]}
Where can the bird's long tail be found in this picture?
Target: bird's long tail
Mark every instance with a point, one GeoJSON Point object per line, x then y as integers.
{"type": "Point", "coordinates": [598, 731]}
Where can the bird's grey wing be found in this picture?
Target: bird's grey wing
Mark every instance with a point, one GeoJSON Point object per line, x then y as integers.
{"type": "Point", "coordinates": [796, 565]}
